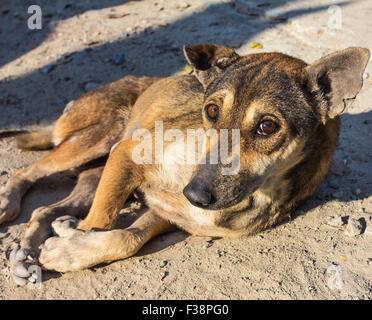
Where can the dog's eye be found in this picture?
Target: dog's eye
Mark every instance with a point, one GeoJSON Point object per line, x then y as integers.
{"type": "Point", "coordinates": [212, 111]}
{"type": "Point", "coordinates": [267, 128]}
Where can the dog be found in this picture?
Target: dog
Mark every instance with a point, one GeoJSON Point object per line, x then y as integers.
{"type": "Point", "coordinates": [285, 114]}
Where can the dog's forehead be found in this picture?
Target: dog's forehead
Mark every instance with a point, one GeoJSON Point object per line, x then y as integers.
{"type": "Point", "coordinates": [271, 77]}
{"type": "Point", "coordinates": [259, 73]}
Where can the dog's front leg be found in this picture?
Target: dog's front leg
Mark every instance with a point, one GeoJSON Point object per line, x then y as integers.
{"type": "Point", "coordinates": [81, 251]}
{"type": "Point", "coordinates": [121, 176]}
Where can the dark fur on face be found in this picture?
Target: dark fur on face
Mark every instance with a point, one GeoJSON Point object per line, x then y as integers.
{"type": "Point", "coordinates": [272, 88]}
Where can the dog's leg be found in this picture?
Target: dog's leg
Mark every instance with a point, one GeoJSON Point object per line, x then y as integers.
{"type": "Point", "coordinates": [39, 227]}
{"type": "Point", "coordinates": [120, 178]}
{"type": "Point", "coordinates": [68, 155]}
{"type": "Point", "coordinates": [81, 251]}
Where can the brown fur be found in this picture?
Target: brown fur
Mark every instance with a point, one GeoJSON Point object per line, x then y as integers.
{"type": "Point", "coordinates": [276, 173]}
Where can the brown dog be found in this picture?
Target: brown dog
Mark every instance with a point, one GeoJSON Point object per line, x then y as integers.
{"type": "Point", "coordinates": [286, 115]}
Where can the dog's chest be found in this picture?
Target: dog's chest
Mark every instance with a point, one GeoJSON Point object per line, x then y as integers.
{"type": "Point", "coordinates": [164, 194]}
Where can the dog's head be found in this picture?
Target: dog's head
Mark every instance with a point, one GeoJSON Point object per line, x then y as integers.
{"type": "Point", "coordinates": [277, 102]}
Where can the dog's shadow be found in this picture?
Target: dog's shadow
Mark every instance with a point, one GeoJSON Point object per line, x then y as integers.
{"type": "Point", "coordinates": [350, 175]}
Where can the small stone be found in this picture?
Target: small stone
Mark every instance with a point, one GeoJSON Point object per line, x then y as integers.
{"type": "Point", "coordinates": [46, 69]}
{"type": "Point", "coordinates": [338, 194]}
{"type": "Point", "coordinates": [91, 86]}
{"type": "Point", "coordinates": [333, 184]}
{"type": "Point", "coordinates": [163, 263]}
{"type": "Point", "coordinates": [335, 221]}
{"type": "Point", "coordinates": [118, 59]}
{"type": "Point", "coordinates": [206, 245]}
{"type": "Point", "coordinates": [339, 168]}
{"type": "Point", "coordinates": [164, 275]}
{"type": "Point", "coordinates": [357, 192]}
{"type": "Point", "coordinates": [354, 227]}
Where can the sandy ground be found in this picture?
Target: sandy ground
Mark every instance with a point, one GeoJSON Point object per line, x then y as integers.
{"type": "Point", "coordinates": [84, 44]}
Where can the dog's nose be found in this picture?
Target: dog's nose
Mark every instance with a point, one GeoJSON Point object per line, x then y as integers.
{"type": "Point", "coordinates": [198, 194]}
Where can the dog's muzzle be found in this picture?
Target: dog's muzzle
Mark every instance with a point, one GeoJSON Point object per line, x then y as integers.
{"type": "Point", "coordinates": [198, 194]}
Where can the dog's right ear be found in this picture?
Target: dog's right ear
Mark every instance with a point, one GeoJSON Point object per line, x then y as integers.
{"type": "Point", "coordinates": [209, 60]}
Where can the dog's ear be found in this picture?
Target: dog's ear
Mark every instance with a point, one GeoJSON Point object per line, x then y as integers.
{"type": "Point", "coordinates": [209, 60]}
{"type": "Point", "coordinates": [336, 79]}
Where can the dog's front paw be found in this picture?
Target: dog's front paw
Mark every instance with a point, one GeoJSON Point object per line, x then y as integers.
{"type": "Point", "coordinates": [9, 207]}
{"type": "Point", "coordinates": [65, 226]}
{"type": "Point", "coordinates": [64, 254]}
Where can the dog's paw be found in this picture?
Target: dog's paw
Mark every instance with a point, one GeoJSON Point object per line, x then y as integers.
{"type": "Point", "coordinates": [65, 226]}
{"type": "Point", "coordinates": [71, 253]}
{"type": "Point", "coordinates": [9, 208]}
{"type": "Point", "coordinates": [23, 268]}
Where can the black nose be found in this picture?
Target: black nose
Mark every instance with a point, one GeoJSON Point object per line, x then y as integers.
{"type": "Point", "coordinates": [198, 194]}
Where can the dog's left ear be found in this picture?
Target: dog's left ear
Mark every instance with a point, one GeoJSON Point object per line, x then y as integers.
{"type": "Point", "coordinates": [209, 60]}
{"type": "Point", "coordinates": [338, 78]}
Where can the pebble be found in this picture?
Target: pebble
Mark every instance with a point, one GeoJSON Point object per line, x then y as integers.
{"type": "Point", "coordinates": [335, 221]}
{"type": "Point", "coordinates": [163, 263]}
{"type": "Point", "coordinates": [206, 245]}
{"type": "Point", "coordinates": [164, 275]}
{"type": "Point", "coordinates": [354, 227]}
{"type": "Point", "coordinates": [339, 168]}
{"type": "Point", "coordinates": [338, 194]}
{"type": "Point", "coordinates": [333, 184]}
{"type": "Point", "coordinates": [46, 69]}
{"type": "Point", "coordinates": [118, 59]}
{"type": "Point", "coordinates": [91, 86]}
